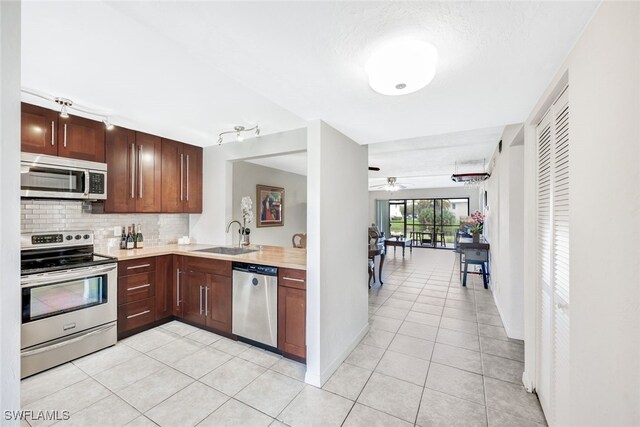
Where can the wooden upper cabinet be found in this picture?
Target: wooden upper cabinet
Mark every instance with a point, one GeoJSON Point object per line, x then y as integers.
{"type": "Point", "coordinates": [39, 126]}
{"type": "Point", "coordinates": [181, 177]}
{"type": "Point", "coordinates": [134, 174]}
{"type": "Point", "coordinates": [148, 173]}
{"type": "Point", "coordinates": [120, 156]}
{"type": "Point", "coordinates": [81, 138]}
{"type": "Point", "coordinates": [45, 132]}
{"type": "Point", "coordinates": [192, 200]}
{"type": "Point", "coordinates": [172, 176]}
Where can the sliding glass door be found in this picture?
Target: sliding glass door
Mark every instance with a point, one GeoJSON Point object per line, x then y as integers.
{"type": "Point", "coordinates": [429, 222]}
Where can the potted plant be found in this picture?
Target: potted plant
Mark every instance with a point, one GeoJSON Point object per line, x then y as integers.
{"type": "Point", "coordinates": [477, 221]}
{"type": "Point", "coordinates": [246, 207]}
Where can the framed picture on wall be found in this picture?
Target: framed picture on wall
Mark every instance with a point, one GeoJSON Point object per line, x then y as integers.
{"type": "Point", "coordinates": [270, 206]}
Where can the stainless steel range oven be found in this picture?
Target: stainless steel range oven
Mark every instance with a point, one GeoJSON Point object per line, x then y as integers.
{"type": "Point", "coordinates": [69, 299]}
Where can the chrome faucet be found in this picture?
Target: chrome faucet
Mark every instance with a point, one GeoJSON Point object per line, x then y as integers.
{"type": "Point", "coordinates": [240, 230]}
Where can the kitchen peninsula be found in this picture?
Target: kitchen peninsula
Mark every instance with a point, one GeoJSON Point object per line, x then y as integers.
{"type": "Point", "coordinates": [159, 284]}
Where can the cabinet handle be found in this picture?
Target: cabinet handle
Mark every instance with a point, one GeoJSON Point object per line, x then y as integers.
{"type": "Point", "coordinates": [133, 171]}
{"type": "Point", "coordinates": [53, 132]}
{"type": "Point", "coordinates": [138, 287]}
{"type": "Point", "coordinates": [65, 136]}
{"type": "Point", "coordinates": [181, 174]}
{"type": "Point", "coordinates": [200, 299]}
{"type": "Point", "coordinates": [140, 147]}
{"type": "Point", "coordinates": [187, 177]}
{"type": "Point", "coordinates": [138, 266]}
{"type": "Point", "coordinates": [292, 279]}
{"type": "Point", "coordinates": [138, 314]}
{"type": "Point", "coordinates": [206, 301]}
{"type": "Point", "coordinates": [178, 288]}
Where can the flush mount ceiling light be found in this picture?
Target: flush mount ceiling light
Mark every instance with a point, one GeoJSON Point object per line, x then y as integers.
{"type": "Point", "coordinates": [239, 131]}
{"type": "Point", "coordinates": [402, 66]}
{"type": "Point", "coordinates": [67, 104]}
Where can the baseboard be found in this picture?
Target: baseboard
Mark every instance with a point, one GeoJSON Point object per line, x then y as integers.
{"type": "Point", "coordinates": [319, 380]}
{"type": "Point", "coordinates": [510, 333]}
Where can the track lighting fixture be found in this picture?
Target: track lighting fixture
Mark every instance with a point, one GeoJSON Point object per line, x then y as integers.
{"type": "Point", "coordinates": [67, 104]}
{"type": "Point", "coordinates": [239, 131]}
{"type": "Point", "coordinates": [64, 103]}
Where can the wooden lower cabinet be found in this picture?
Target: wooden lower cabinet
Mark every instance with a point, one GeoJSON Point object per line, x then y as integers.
{"type": "Point", "coordinates": [144, 293]}
{"type": "Point", "coordinates": [205, 293]}
{"type": "Point", "coordinates": [292, 313]}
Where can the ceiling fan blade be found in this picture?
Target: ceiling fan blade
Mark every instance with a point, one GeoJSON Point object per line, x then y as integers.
{"type": "Point", "coordinates": [374, 168]}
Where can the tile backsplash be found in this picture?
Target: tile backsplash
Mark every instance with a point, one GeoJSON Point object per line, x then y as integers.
{"type": "Point", "coordinates": [51, 215]}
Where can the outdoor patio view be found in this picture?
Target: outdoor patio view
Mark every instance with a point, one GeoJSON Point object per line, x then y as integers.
{"type": "Point", "coordinates": [429, 222]}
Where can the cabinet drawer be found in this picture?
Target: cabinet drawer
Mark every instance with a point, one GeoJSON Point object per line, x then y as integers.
{"type": "Point", "coordinates": [136, 314]}
{"type": "Point", "coordinates": [292, 278]}
{"type": "Point", "coordinates": [135, 266]}
{"type": "Point", "coordinates": [136, 287]}
{"type": "Point", "coordinates": [208, 265]}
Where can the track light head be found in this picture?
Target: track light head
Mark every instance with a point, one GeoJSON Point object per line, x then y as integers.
{"type": "Point", "coordinates": [107, 124]}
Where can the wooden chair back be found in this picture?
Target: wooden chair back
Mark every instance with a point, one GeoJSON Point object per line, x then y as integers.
{"type": "Point", "coordinates": [299, 240]}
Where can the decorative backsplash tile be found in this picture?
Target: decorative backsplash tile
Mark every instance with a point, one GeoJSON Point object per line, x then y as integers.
{"type": "Point", "coordinates": [50, 215]}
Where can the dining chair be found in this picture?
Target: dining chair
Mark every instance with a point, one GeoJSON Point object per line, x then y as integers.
{"type": "Point", "coordinates": [299, 240]}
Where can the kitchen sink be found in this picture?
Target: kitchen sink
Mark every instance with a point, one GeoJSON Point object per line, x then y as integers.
{"type": "Point", "coordinates": [226, 250]}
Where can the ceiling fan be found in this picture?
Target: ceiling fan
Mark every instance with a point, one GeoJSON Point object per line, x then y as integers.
{"type": "Point", "coordinates": [374, 168]}
{"type": "Point", "coordinates": [391, 185]}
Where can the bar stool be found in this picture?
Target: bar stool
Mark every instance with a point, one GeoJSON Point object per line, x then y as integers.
{"type": "Point", "coordinates": [476, 257]}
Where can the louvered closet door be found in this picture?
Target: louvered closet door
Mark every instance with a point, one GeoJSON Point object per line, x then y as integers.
{"type": "Point", "coordinates": [553, 261]}
{"type": "Point", "coordinates": [560, 261]}
{"type": "Point", "coordinates": [545, 313]}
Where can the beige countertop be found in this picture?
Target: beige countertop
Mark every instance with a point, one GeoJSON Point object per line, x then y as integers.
{"type": "Point", "coordinates": [276, 256]}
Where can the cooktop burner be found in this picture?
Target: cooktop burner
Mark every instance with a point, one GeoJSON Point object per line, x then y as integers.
{"type": "Point", "coordinates": [41, 253]}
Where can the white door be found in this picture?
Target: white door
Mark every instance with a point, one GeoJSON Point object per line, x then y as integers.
{"type": "Point", "coordinates": [552, 345]}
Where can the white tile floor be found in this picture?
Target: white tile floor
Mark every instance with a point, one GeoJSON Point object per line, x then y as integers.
{"type": "Point", "coordinates": [436, 354]}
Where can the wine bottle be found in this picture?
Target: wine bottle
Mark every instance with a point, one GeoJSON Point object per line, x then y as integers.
{"type": "Point", "coordinates": [123, 239]}
{"type": "Point", "coordinates": [130, 242]}
{"type": "Point", "coordinates": [139, 238]}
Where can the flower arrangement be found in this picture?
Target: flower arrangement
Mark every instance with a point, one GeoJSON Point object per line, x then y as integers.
{"type": "Point", "coordinates": [477, 219]}
{"type": "Point", "coordinates": [246, 207]}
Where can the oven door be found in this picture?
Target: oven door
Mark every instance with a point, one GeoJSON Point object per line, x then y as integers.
{"type": "Point", "coordinates": [62, 303]}
{"type": "Point", "coordinates": [60, 182]}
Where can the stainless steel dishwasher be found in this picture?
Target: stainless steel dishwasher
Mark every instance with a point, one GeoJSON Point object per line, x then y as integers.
{"type": "Point", "coordinates": [255, 303]}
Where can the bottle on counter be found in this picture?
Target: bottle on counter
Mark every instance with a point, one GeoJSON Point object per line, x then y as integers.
{"type": "Point", "coordinates": [130, 240]}
{"type": "Point", "coordinates": [139, 238]}
{"type": "Point", "coordinates": [123, 239]}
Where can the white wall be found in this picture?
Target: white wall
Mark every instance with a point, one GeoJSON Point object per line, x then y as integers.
{"type": "Point", "coordinates": [9, 207]}
{"type": "Point", "coordinates": [504, 229]}
{"type": "Point", "coordinates": [245, 178]}
{"type": "Point", "coordinates": [604, 99]}
{"type": "Point", "coordinates": [336, 249]}
{"type": "Point", "coordinates": [423, 193]}
{"type": "Point", "coordinates": [217, 177]}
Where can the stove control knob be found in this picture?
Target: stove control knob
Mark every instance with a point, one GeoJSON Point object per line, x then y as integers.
{"type": "Point", "coordinates": [69, 237]}
{"type": "Point", "coordinates": [86, 236]}
{"type": "Point", "coordinates": [78, 237]}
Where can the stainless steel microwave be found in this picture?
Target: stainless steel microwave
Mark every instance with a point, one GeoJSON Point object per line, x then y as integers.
{"type": "Point", "coordinates": [62, 178]}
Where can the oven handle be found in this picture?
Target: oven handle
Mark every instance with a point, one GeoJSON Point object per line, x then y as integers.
{"type": "Point", "coordinates": [48, 347]}
{"type": "Point", "coordinates": [27, 282]}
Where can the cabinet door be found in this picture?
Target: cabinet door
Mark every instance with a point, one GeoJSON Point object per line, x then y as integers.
{"type": "Point", "coordinates": [148, 173]}
{"type": "Point", "coordinates": [292, 320]}
{"type": "Point", "coordinates": [172, 176]}
{"type": "Point", "coordinates": [81, 138]}
{"type": "Point", "coordinates": [165, 285]}
{"type": "Point", "coordinates": [38, 130]}
{"type": "Point", "coordinates": [193, 296]}
{"type": "Point", "coordinates": [192, 200]}
{"type": "Point", "coordinates": [219, 301]}
{"type": "Point", "coordinates": [121, 161]}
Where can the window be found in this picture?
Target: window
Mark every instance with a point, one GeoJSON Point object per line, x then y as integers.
{"type": "Point", "coordinates": [433, 222]}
